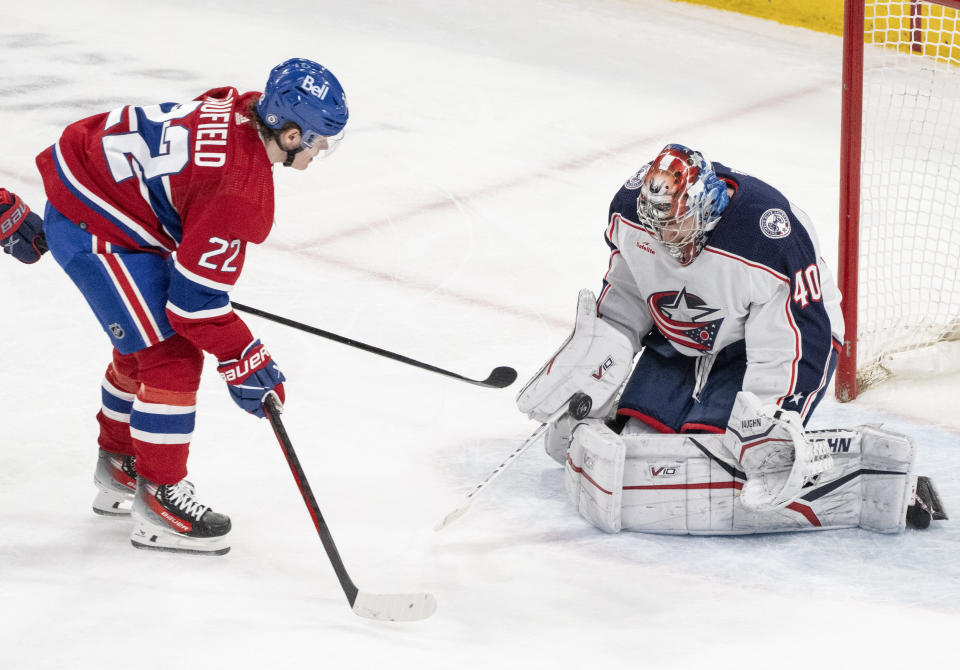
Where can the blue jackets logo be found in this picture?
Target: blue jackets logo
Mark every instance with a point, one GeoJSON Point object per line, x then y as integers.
{"type": "Point", "coordinates": [685, 319]}
{"type": "Point", "coordinates": [774, 223]}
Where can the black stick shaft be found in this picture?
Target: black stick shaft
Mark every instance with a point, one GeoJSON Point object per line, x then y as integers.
{"type": "Point", "coordinates": [272, 409]}
{"type": "Point", "coordinates": [499, 378]}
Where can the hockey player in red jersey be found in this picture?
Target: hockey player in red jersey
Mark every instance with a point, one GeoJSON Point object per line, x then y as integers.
{"type": "Point", "coordinates": [717, 280]}
{"type": "Point", "coordinates": [149, 212]}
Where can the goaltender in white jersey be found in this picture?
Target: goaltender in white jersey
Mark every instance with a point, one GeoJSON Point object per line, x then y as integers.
{"type": "Point", "coordinates": [717, 279]}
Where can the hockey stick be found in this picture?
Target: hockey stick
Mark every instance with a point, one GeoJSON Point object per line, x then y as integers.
{"type": "Point", "coordinates": [390, 607]}
{"type": "Point", "coordinates": [499, 378]}
{"type": "Point", "coordinates": [578, 407]}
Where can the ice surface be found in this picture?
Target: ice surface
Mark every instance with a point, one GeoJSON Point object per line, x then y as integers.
{"type": "Point", "coordinates": [455, 225]}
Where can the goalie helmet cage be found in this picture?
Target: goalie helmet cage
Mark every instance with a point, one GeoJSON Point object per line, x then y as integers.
{"type": "Point", "coordinates": [899, 246]}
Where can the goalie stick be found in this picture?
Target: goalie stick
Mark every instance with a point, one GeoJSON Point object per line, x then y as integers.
{"type": "Point", "coordinates": [382, 607]}
{"type": "Point", "coordinates": [499, 377]}
{"type": "Point", "coordinates": [578, 407]}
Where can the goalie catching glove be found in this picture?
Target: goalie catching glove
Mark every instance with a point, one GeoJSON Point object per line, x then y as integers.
{"type": "Point", "coordinates": [773, 450]}
{"type": "Point", "coordinates": [596, 359]}
{"type": "Point", "coordinates": [21, 231]}
{"type": "Point", "coordinates": [250, 377]}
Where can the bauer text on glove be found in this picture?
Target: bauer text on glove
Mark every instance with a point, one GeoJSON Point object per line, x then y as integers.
{"type": "Point", "coordinates": [250, 377]}
{"type": "Point", "coordinates": [21, 231]}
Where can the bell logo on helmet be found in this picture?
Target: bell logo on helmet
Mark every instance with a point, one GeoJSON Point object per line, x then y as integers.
{"type": "Point", "coordinates": [310, 85]}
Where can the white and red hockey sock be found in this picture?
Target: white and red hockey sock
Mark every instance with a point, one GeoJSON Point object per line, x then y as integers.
{"type": "Point", "coordinates": [161, 425]}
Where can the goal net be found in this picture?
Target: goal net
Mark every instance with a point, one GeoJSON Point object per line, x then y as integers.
{"type": "Point", "coordinates": [900, 183]}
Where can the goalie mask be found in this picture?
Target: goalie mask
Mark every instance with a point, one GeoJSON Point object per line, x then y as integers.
{"type": "Point", "coordinates": [681, 199]}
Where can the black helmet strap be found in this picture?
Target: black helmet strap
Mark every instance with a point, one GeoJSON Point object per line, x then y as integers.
{"type": "Point", "coordinates": [291, 154]}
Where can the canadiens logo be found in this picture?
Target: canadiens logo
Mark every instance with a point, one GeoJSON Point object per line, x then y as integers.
{"type": "Point", "coordinates": [685, 319]}
{"type": "Point", "coordinates": [775, 224]}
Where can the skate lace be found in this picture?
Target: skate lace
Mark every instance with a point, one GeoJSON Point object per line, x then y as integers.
{"type": "Point", "coordinates": [181, 495]}
{"type": "Point", "coordinates": [128, 466]}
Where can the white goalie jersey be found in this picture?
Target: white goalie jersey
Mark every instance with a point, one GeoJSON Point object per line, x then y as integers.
{"type": "Point", "coordinates": [760, 278]}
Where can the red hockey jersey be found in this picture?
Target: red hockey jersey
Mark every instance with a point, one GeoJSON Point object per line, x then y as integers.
{"type": "Point", "coordinates": [189, 181]}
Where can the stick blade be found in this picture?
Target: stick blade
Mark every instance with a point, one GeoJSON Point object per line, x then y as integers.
{"type": "Point", "coordinates": [394, 607]}
{"type": "Point", "coordinates": [451, 517]}
{"type": "Point", "coordinates": [501, 377]}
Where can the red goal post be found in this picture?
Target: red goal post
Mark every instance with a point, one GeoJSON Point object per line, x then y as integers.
{"type": "Point", "coordinates": [899, 243]}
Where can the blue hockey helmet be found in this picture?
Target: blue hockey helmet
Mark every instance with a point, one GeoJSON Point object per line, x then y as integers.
{"type": "Point", "coordinates": [306, 93]}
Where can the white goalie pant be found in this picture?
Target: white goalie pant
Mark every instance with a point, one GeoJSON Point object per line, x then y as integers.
{"type": "Point", "coordinates": [689, 484]}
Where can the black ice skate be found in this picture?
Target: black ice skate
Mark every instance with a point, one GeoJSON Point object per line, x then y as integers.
{"type": "Point", "coordinates": [926, 505]}
{"type": "Point", "coordinates": [168, 517]}
{"type": "Point", "coordinates": [116, 480]}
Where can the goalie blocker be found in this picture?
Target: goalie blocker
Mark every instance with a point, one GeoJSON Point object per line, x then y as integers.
{"type": "Point", "coordinates": [698, 484]}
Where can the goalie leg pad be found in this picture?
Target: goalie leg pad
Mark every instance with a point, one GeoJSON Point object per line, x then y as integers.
{"type": "Point", "coordinates": [690, 484]}
{"type": "Point", "coordinates": [557, 439]}
{"type": "Point", "coordinates": [594, 474]}
{"type": "Point", "coordinates": [678, 484]}
{"type": "Point", "coordinates": [887, 487]}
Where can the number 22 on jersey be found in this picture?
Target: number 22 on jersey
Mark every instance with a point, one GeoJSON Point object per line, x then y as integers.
{"type": "Point", "coordinates": [152, 147]}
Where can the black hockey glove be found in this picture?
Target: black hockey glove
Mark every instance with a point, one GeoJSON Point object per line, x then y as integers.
{"type": "Point", "coordinates": [21, 231]}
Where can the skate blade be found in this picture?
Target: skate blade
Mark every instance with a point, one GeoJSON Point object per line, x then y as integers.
{"type": "Point", "coordinates": [180, 550]}
{"type": "Point", "coordinates": [109, 503]}
{"type": "Point", "coordinates": [111, 512]}
{"type": "Point", "coordinates": [158, 539]}
{"type": "Point", "coordinates": [925, 487]}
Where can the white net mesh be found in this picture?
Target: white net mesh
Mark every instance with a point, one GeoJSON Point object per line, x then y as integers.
{"type": "Point", "coordinates": [909, 274]}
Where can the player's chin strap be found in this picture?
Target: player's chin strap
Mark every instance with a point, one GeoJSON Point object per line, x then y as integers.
{"type": "Point", "coordinates": [291, 154]}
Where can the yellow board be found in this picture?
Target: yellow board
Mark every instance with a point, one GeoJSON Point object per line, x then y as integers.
{"type": "Point", "coordinates": [891, 22]}
{"type": "Point", "coordinates": [911, 27]}
{"type": "Point", "coordinates": [823, 15]}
